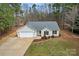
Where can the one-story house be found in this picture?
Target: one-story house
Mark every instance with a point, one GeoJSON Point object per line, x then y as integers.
{"type": "Point", "coordinates": [39, 28]}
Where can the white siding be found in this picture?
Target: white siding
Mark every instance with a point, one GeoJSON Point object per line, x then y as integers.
{"type": "Point", "coordinates": [50, 32]}
{"type": "Point", "coordinates": [42, 32]}
{"type": "Point", "coordinates": [26, 32]}
{"type": "Point", "coordinates": [56, 34]}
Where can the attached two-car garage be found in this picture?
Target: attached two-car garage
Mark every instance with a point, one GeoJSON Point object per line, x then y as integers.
{"type": "Point", "coordinates": [25, 32]}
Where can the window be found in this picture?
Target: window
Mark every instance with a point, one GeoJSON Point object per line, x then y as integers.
{"type": "Point", "coordinates": [54, 32]}
{"type": "Point", "coordinates": [39, 32]}
{"type": "Point", "coordinates": [46, 33]}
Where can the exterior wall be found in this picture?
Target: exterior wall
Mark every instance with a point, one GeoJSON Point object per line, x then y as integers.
{"type": "Point", "coordinates": [35, 34]}
{"type": "Point", "coordinates": [26, 32]}
{"type": "Point", "coordinates": [30, 34]}
{"type": "Point", "coordinates": [42, 32]}
{"type": "Point", "coordinates": [50, 32]}
{"type": "Point", "coordinates": [56, 34]}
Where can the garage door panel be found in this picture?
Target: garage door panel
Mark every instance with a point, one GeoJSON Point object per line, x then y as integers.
{"type": "Point", "coordinates": [26, 34]}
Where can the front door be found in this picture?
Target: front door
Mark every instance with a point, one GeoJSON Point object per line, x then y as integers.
{"type": "Point", "coordinates": [46, 33]}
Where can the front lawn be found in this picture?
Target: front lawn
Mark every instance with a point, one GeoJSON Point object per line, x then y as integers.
{"type": "Point", "coordinates": [53, 47]}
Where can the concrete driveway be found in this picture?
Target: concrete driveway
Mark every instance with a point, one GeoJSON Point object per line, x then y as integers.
{"type": "Point", "coordinates": [15, 46]}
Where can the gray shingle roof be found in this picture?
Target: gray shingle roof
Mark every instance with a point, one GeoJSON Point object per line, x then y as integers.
{"type": "Point", "coordinates": [39, 25]}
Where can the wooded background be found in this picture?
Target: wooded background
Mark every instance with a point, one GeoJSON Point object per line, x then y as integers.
{"type": "Point", "coordinates": [12, 15]}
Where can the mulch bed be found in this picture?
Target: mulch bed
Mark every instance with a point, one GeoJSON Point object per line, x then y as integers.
{"type": "Point", "coordinates": [43, 39]}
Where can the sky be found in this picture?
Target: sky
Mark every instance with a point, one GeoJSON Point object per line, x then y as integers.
{"type": "Point", "coordinates": [43, 7]}
{"type": "Point", "coordinates": [25, 5]}
{"type": "Point", "coordinates": [39, 6]}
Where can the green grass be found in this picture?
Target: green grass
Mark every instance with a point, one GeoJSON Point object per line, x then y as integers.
{"type": "Point", "coordinates": [53, 47]}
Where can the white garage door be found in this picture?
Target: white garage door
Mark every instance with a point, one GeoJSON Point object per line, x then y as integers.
{"type": "Point", "coordinates": [26, 34]}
